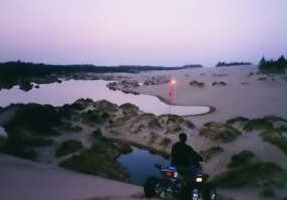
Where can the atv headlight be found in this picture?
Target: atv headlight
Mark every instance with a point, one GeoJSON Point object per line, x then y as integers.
{"type": "Point", "coordinates": [199, 179]}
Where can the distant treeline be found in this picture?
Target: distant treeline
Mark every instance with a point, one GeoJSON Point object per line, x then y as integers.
{"type": "Point", "coordinates": [31, 69]}
{"type": "Point", "coordinates": [273, 66]}
{"type": "Point", "coordinates": [224, 64]}
{"type": "Point", "coordinates": [11, 73]}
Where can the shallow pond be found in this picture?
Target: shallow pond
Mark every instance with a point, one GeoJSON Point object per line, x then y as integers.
{"type": "Point", "coordinates": [140, 163]}
{"type": "Point", "coordinates": [69, 91]}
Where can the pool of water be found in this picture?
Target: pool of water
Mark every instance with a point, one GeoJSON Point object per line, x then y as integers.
{"type": "Point", "coordinates": [69, 91]}
{"type": "Point", "coordinates": [140, 163]}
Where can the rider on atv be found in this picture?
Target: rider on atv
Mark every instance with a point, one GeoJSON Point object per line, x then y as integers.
{"type": "Point", "coordinates": [184, 158]}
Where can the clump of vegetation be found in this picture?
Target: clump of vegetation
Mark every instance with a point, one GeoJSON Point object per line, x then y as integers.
{"type": "Point", "coordinates": [252, 175]}
{"type": "Point", "coordinates": [66, 112]}
{"type": "Point", "coordinates": [150, 119]}
{"type": "Point", "coordinates": [227, 64]}
{"type": "Point", "coordinates": [97, 133]}
{"type": "Point", "coordinates": [283, 128]}
{"type": "Point", "coordinates": [165, 142]}
{"type": "Point", "coordinates": [267, 193]}
{"type": "Point", "coordinates": [263, 78]}
{"type": "Point", "coordinates": [83, 103]}
{"type": "Point", "coordinates": [237, 119]}
{"type": "Point", "coordinates": [209, 153]}
{"type": "Point", "coordinates": [38, 119]}
{"type": "Point", "coordinates": [154, 123]}
{"type": "Point", "coordinates": [119, 121]}
{"type": "Point", "coordinates": [241, 159]}
{"type": "Point", "coordinates": [16, 147]}
{"type": "Point", "coordinates": [136, 128]}
{"type": "Point", "coordinates": [273, 66]}
{"type": "Point", "coordinates": [189, 124]}
{"type": "Point", "coordinates": [275, 138]}
{"type": "Point", "coordinates": [129, 109]}
{"type": "Point", "coordinates": [271, 130]}
{"type": "Point", "coordinates": [196, 83]}
{"type": "Point", "coordinates": [274, 118]}
{"type": "Point", "coordinates": [29, 128]}
{"type": "Point", "coordinates": [100, 159]}
{"type": "Point", "coordinates": [219, 131]}
{"type": "Point", "coordinates": [152, 137]}
{"type": "Point", "coordinates": [93, 117]}
{"type": "Point", "coordinates": [68, 127]}
{"type": "Point", "coordinates": [172, 129]}
{"type": "Point", "coordinates": [174, 119]}
{"type": "Point", "coordinates": [258, 124]}
{"type": "Point", "coordinates": [106, 106]}
{"type": "Point", "coordinates": [92, 162]}
{"type": "Point", "coordinates": [68, 147]}
{"type": "Point", "coordinates": [220, 83]}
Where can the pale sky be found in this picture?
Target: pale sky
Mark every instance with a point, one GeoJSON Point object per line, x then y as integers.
{"type": "Point", "coordinates": [142, 32]}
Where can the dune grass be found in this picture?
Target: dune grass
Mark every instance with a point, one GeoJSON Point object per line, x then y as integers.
{"type": "Point", "coordinates": [165, 142]}
{"type": "Point", "coordinates": [93, 117]}
{"type": "Point", "coordinates": [68, 147]}
{"type": "Point", "coordinates": [209, 153]}
{"type": "Point", "coordinates": [267, 193]}
{"type": "Point", "coordinates": [274, 137]}
{"type": "Point", "coordinates": [219, 132]}
{"type": "Point", "coordinates": [271, 129]}
{"type": "Point", "coordinates": [258, 124]}
{"type": "Point", "coordinates": [237, 119]}
{"type": "Point", "coordinates": [97, 133]}
{"type": "Point", "coordinates": [91, 162]}
{"type": "Point", "coordinates": [189, 124]}
{"type": "Point", "coordinates": [257, 174]}
{"type": "Point", "coordinates": [197, 83]}
{"type": "Point", "coordinates": [241, 159]}
{"type": "Point", "coordinates": [275, 118]}
{"type": "Point", "coordinates": [100, 159]}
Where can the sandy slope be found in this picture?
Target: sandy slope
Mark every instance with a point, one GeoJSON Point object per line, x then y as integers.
{"type": "Point", "coordinates": [27, 180]}
{"type": "Point", "coordinates": [243, 95]}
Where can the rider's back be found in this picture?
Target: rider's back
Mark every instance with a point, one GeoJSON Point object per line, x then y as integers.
{"type": "Point", "coordinates": [182, 155]}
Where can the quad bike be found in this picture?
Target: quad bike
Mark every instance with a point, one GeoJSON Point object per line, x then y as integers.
{"type": "Point", "coordinates": [173, 185]}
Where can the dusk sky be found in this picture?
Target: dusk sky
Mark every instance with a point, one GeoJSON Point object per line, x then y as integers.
{"type": "Point", "coordinates": [142, 32]}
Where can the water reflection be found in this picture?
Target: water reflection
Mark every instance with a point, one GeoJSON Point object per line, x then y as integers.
{"type": "Point", "coordinates": [69, 91]}
{"type": "Point", "coordinates": [140, 164]}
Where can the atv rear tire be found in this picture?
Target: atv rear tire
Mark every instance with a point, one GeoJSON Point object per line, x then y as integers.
{"type": "Point", "coordinates": [209, 192]}
{"type": "Point", "coordinates": [150, 187]}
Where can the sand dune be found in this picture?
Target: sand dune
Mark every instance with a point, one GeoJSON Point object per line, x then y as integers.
{"type": "Point", "coordinates": [27, 180]}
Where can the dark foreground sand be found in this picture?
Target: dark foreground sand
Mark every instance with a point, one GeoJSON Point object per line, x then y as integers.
{"type": "Point", "coordinates": [26, 180]}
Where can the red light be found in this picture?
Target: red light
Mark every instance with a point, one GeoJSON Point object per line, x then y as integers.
{"type": "Point", "coordinates": [168, 173]}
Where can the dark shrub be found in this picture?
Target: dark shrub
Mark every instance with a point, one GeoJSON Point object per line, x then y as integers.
{"type": "Point", "coordinates": [40, 119]}
{"type": "Point", "coordinates": [68, 147]}
{"type": "Point", "coordinates": [274, 118]}
{"type": "Point", "coordinates": [97, 133]}
{"type": "Point", "coordinates": [252, 175]}
{"type": "Point", "coordinates": [219, 131]}
{"type": "Point", "coordinates": [275, 138]}
{"type": "Point", "coordinates": [189, 124]}
{"type": "Point", "coordinates": [258, 124]}
{"type": "Point", "coordinates": [209, 153]}
{"type": "Point", "coordinates": [267, 193]}
{"type": "Point", "coordinates": [165, 142]}
{"type": "Point", "coordinates": [237, 119]}
{"type": "Point", "coordinates": [241, 159]}
{"type": "Point", "coordinates": [15, 146]}
{"type": "Point", "coordinates": [96, 163]}
{"type": "Point", "coordinates": [95, 117]}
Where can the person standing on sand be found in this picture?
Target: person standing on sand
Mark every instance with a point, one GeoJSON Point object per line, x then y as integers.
{"type": "Point", "coordinates": [184, 157]}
